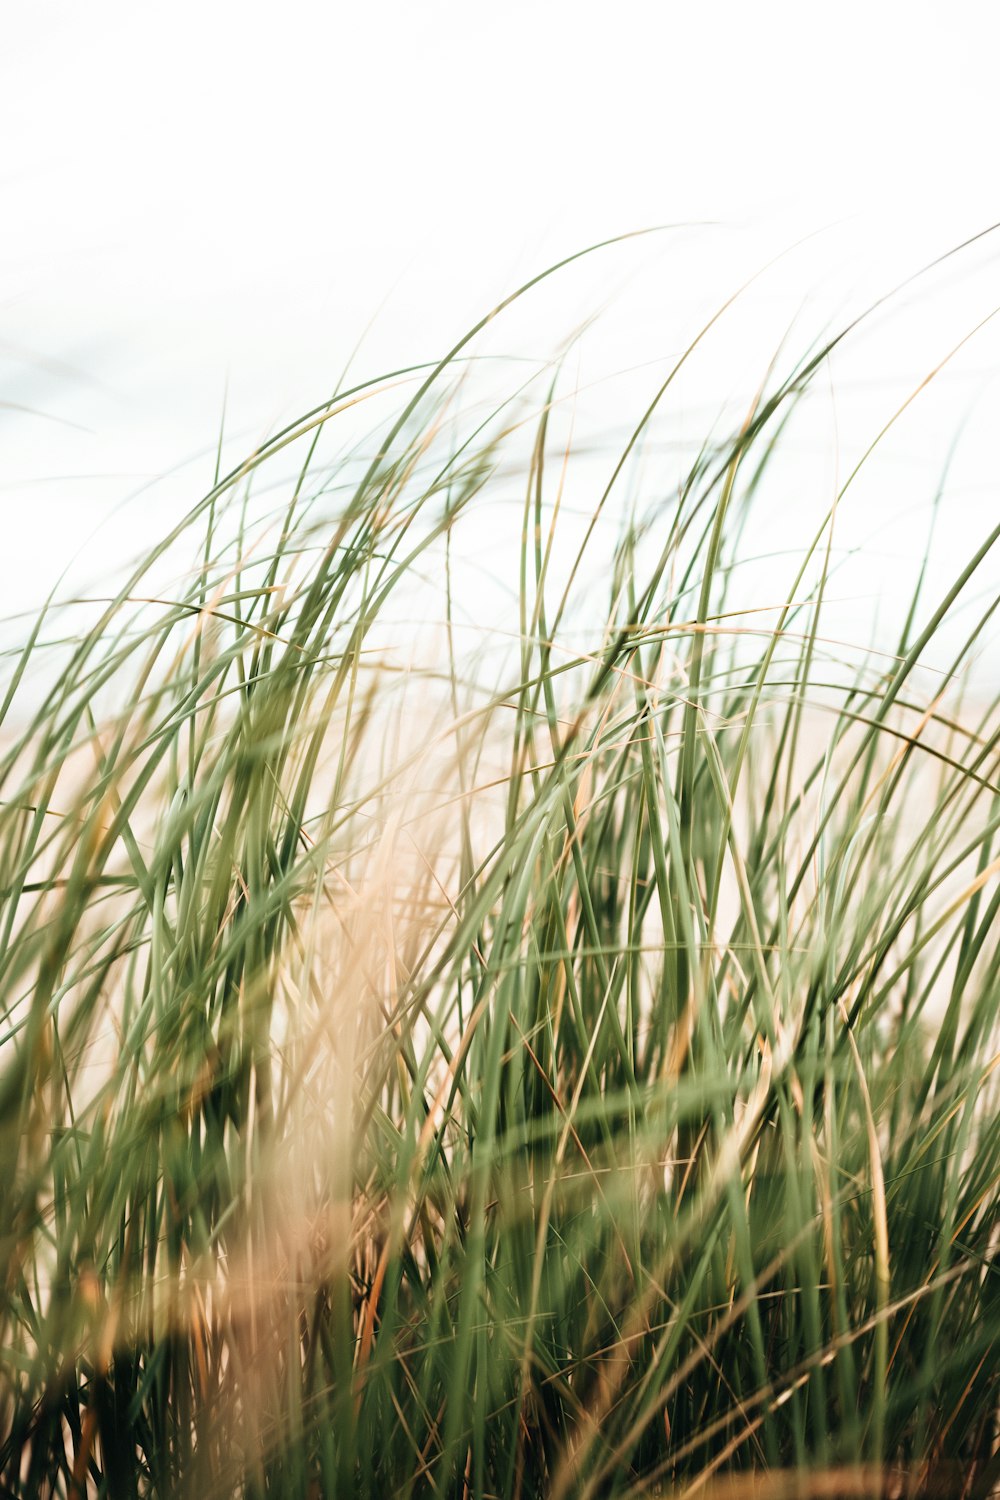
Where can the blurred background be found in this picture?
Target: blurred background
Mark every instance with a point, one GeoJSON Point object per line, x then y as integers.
{"type": "Point", "coordinates": [211, 209]}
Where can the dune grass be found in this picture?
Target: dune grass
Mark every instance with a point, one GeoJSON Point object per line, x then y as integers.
{"type": "Point", "coordinates": [562, 1063]}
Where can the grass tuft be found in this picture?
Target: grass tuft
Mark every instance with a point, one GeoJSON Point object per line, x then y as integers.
{"type": "Point", "coordinates": [470, 1049]}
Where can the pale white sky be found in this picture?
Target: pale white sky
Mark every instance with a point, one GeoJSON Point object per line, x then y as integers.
{"type": "Point", "coordinates": [215, 191]}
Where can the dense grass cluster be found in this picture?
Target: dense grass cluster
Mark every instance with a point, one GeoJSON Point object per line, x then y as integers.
{"type": "Point", "coordinates": [562, 1065]}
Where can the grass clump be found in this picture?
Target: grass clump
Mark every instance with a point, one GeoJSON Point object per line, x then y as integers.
{"type": "Point", "coordinates": [553, 1062]}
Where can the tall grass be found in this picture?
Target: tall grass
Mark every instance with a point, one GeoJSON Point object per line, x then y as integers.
{"type": "Point", "coordinates": [561, 1063]}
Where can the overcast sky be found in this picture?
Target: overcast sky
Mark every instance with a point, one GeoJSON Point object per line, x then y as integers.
{"type": "Point", "coordinates": [213, 192]}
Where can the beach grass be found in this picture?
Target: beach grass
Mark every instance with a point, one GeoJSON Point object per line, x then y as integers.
{"type": "Point", "coordinates": [557, 1059]}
